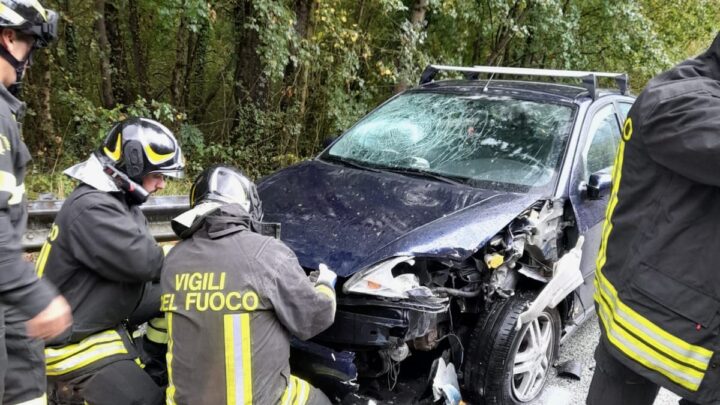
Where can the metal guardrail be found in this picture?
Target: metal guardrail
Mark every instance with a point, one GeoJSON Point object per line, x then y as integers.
{"type": "Point", "coordinates": [158, 210]}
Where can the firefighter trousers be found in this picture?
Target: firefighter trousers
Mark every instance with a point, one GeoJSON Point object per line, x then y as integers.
{"type": "Point", "coordinates": [615, 384]}
{"type": "Point", "coordinates": [24, 367]}
{"type": "Point", "coordinates": [122, 382]}
{"type": "Point", "coordinates": [125, 381]}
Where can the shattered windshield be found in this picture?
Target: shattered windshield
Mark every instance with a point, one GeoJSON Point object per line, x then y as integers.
{"type": "Point", "coordinates": [485, 141]}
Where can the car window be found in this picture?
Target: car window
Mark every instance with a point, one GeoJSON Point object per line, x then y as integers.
{"type": "Point", "coordinates": [489, 141]}
{"type": "Point", "coordinates": [624, 109]}
{"type": "Point", "coordinates": [604, 135]}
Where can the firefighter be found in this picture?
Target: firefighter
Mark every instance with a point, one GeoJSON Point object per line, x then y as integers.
{"type": "Point", "coordinates": [24, 27]}
{"type": "Point", "coordinates": [233, 295]}
{"type": "Point", "coordinates": [102, 257]}
{"type": "Point", "coordinates": [657, 284]}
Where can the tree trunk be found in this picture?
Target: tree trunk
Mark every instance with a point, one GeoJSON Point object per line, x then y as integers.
{"type": "Point", "coordinates": [197, 77]}
{"type": "Point", "coordinates": [106, 89]}
{"type": "Point", "coordinates": [138, 50]}
{"type": "Point", "coordinates": [180, 61]}
{"type": "Point", "coordinates": [37, 94]}
{"type": "Point", "coordinates": [293, 74]}
{"type": "Point", "coordinates": [70, 37]}
{"type": "Point", "coordinates": [118, 64]}
{"type": "Point", "coordinates": [250, 82]}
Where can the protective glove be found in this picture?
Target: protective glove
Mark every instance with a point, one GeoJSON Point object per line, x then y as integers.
{"type": "Point", "coordinates": [325, 276]}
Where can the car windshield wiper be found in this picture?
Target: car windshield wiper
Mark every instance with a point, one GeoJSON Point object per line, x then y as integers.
{"type": "Point", "coordinates": [422, 173]}
{"type": "Point", "coordinates": [348, 162]}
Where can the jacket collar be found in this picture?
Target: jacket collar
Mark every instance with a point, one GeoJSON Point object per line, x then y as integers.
{"type": "Point", "coordinates": [16, 106]}
{"type": "Point", "coordinates": [91, 173]}
{"type": "Point", "coordinates": [219, 220]}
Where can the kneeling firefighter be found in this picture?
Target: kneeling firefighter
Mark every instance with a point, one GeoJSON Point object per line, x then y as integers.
{"type": "Point", "coordinates": [102, 257]}
{"type": "Point", "coordinates": [233, 296]}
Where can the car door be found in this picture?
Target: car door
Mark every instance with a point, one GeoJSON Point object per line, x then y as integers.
{"type": "Point", "coordinates": [600, 137]}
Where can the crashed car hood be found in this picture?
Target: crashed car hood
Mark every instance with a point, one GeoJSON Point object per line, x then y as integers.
{"type": "Point", "coordinates": [351, 218]}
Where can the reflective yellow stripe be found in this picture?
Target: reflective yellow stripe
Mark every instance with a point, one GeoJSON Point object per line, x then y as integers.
{"type": "Point", "coordinates": [8, 183]}
{"type": "Point", "coordinates": [115, 155]}
{"type": "Point", "coordinates": [81, 360]}
{"type": "Point", "coordinates": [329, 292]}
{"type": "Point", "coordinates": [17, 195]}
{"type": "Point", "coordinates": [10, 15]}
{"type": "Point", "coordinates": [54, 355]}
{"type": "Point", "coordinates": [238, 359]}
{"type": "Point", "coordinates": [155, 157]}
{"type": "Point", "coordinates": [42, 259]}
{"type": "Point", "coordinates": [289, 392]}
{"type": "Point", "coordinates": [167, 247]}
{"type": "Point", "coordinates": [645, 344]}
{"type": "Point", "coordinates": [170, 391]}
{"type": "Point", "coordinates": [323, 289]}
{"type": "Point", "coordinates": [303, 392]}
{"type": "Point", "coordinates": [639, 352]}
{"type": "Point", "coordinates": [247, 357]}
{"type": "Point", "coordinates": [156, 336]}
{"type": "Point", "coordinates": [696, 355]}
{"type": "Point", "coordinates": [157, 330]}
{"type": "Point", "coordinates": [231, 391]}
{"type": "Point", "coordinates": [297, 392]}
{"type": "Point", "coordinates": [40, 9]}
{"type": "Point", "coordinates": [37, 401]}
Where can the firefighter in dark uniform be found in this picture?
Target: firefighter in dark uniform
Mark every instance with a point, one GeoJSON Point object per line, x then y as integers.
{"type": "Point", "coordinates": [102, 257]}
{"type": "Point", "coordinates": [24, 27]}
{"type": "Point", "coordinates": [233, 296]}
{"type": "Point", "coordinates": [657, 281]}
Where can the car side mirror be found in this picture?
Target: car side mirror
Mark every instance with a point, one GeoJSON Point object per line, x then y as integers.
{"type": "Point", "coordinates": [598, 184]}
{"type": "Point", "coordinates": [328, 141]}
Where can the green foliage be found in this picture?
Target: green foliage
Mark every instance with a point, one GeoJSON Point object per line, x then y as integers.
{"type": "Point", "coordinates": [274, 22]}
{"type": "Point", "coordinates": [323, 64]}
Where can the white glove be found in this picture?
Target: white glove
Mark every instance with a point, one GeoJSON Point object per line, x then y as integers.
{"type": "Point", "coordinates": [326, 276]}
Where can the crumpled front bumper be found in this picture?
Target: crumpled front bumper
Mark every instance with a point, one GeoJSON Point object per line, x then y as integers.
{"type": "Point", "coordinates": [375, 323]}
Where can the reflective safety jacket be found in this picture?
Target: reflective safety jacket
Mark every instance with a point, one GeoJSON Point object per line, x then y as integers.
{"type": "Point", "coordinates": [20, 289]}
{"type": "Point", "coordinates": [657, 280]}
{"type": "Point", "coordinates": [100, 254]}
{"type": "Point", "coordinates": [233, 298]}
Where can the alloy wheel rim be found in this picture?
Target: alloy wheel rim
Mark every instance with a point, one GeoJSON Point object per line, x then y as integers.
{"type": "Point", "coordinates": [531, 363]}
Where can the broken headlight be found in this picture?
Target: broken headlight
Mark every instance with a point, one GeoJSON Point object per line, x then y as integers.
{"type": "Point", "coordinates": [379, 280]}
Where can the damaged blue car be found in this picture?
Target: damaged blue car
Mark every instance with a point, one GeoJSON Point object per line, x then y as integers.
{"type": "Point", "coordinates": [446, 213]}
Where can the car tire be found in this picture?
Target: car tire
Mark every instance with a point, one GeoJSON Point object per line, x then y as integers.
{"type": "Point", "coordinates": [493, 373]}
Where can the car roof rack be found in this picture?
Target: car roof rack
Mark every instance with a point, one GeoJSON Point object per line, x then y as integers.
{"type": "Point", "coordinates": [589, 79]}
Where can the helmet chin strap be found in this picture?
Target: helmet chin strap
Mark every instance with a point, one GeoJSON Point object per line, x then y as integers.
{"type": "Point", "coordinates": [18, 65]}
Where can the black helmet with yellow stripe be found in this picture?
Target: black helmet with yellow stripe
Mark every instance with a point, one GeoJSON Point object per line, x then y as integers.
{"type": "Point", "coordinates": [140, 146]}
{"type": "Point", "coordinates": [30, 18]}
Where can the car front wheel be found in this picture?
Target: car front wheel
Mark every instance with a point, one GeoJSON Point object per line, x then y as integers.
{"type": "Point", "coordinates": [509, 366]}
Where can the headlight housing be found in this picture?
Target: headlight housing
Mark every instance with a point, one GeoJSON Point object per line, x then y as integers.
{"type": "Point", "coordinates": [378, 280]}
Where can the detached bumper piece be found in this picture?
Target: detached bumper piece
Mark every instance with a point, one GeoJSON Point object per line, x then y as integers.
{"type": "Point", "coordinates": [367, 322]}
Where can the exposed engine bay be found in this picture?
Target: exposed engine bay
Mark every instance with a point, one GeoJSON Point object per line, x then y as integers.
{"type": "Point", "coordinates": [423, 304]}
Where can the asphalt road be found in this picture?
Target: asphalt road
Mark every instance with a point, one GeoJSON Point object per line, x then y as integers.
{"type": "Point", "coordinates": [580, 346]}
